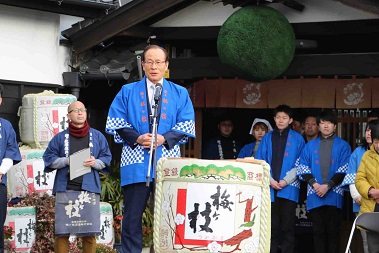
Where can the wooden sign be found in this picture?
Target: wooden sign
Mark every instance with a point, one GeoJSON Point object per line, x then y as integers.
{"type": "Point", "coordinates": [212, 206]}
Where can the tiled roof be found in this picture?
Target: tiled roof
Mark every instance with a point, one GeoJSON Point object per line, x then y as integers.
{"type": "Point", "coordinates": [110, 61]}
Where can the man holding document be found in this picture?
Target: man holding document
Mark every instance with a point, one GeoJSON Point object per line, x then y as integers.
{"type": "Point", "coordinates": [77, 154]}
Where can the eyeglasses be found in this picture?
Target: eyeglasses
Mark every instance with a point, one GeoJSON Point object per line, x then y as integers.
{"type": "Point", "coordinates": [76, 110]}
{"type": "Point", "coordinates": [158, 63]}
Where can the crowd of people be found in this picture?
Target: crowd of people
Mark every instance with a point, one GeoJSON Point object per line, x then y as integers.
{"type": "Point", "coordinates": [310, 164]}
{"type": "Point", "coordinates": [153, 116]}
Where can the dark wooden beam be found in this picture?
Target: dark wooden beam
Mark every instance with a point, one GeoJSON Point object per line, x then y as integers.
{"type": "Point", "coordinates": [118, 21]}
{"type": "Point", "coordinates": [364, 65]}
{"type": "Point", "coordinates": [54, 7]}
{"type": "Point", "coordinates": [187, 33]}
{"type": "Point", "coordinates": [330, 37]}
{"type": "Point", "coordinates": [137, 31]}
{"type": "Point", "coordinates": [335, 28]}
{"type": "Point", "coordinates": [302, 30]}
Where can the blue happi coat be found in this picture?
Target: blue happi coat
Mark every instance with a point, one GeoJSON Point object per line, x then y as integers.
{"type": "Point", "coordinates": [247, 150]}
{"type": "Point", "coordinates": [59, 146]}
{"type": "Point", "coordinates": [294, 145]}
{"type": "Point", "coordinates": [8, 145]}
{"type": "Point", "coordinates": [355, 160]}
{"type": "Point", "coordinates": [176, 114]}
{"type": "Point", "coordinates": [310, 164]}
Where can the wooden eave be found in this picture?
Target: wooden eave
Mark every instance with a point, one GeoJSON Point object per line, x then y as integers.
{"type": "Point", "coordinates": [122, 19]}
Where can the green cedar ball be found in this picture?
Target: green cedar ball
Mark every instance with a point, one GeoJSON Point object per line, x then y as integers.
{"type": "Point", "coordinates": [257, 42]}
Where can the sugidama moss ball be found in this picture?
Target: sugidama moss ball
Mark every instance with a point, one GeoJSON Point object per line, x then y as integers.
{"type": "Point", "coordinates": [257, 42]}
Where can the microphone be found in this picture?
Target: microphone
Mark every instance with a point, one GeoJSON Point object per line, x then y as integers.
{"type": "Point", "coordinates": [158, 92]}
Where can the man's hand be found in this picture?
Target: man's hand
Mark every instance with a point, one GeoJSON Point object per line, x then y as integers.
{"type": "Point", "coordinates": [90, 162]}
{"type": "Point", "coordinates": [145, 140]}
{"type": "Point", "coordinates": [274, 184]}
{"type": "Point", "coordinates": [321, 189]}
{"type": "Point", "coordinates": [1, 176]}
{"type": "Point", "coordinates": [282, 183]}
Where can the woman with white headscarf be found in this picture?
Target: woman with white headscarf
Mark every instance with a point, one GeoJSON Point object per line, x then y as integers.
{"type": "Point", "coordinates": [258, 129]}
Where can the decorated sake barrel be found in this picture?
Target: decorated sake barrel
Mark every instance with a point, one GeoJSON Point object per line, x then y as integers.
{"type": "Point", "coordinates": [212, 206]}
{"type": "Point", "coordinates": [22, 220]}
{"type": "Point", "coordinates": [28, 176]}
{"type": "Point", "coordinates": [42, 116]}
{"type": "Point", "coordinates": [106, 225]}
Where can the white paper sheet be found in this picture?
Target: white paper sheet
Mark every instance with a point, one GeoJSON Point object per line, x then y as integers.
{"type": "Point", "coordinates": [77, 168]}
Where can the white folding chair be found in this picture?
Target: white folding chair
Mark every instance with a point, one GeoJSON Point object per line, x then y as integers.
{"type": "Point", "coordinates": [368, 221]}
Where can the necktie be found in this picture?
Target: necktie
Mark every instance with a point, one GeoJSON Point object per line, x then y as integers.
{"type": "Point", "coordinates": [151, 96]}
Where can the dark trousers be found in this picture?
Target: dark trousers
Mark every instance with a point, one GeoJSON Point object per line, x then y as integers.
{"type": "Point", "coordinates": [326, 228]}
{"type": "Point", "coordinates": [373, 242]}
{"type": "Point", "coordinates": [283, 216]}
{"type": "Point", "coordinates": [3, 213]}
{"type": "Point", "coordinates": [135, 198]}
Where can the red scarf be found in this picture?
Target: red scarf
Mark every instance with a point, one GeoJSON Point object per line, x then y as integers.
{"type": "Point", "coordinates": [78, 132]}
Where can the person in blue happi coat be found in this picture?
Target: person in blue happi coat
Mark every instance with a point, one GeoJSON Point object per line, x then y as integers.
{"type": "Point", "coordinates": [323, 165]}
{"type": "Point", "coordinates": [9, 155]}
{"type": "Point", "coordinates": [129, 120]}
{"type": "Point", "coordinates": [281, 149]}
{"type": "Point", "coordinates": [258, 129]}
{"type": "Point", "coordinates": [56, 157]}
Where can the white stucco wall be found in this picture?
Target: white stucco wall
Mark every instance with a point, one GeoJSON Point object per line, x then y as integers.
{"type": "Point", "coordinates": [29, 46]}
{"type": "Point", "coordinates": [204, 13]}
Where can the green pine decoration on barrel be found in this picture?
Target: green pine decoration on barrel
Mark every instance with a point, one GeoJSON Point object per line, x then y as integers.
{"type": "Point", "coordinates": [257, 42]}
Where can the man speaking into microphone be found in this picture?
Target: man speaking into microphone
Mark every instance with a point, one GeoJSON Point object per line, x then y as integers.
{"type": "Point", "coordinates": [130, 120]}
